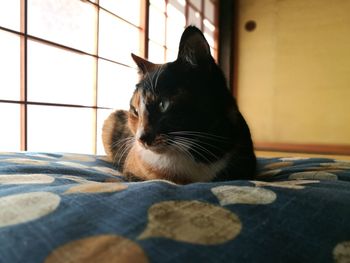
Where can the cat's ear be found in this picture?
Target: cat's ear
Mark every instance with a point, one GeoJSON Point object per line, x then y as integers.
{"type": "Point", "coordinates": [143, 64]}
{"type": "Point", "coordinates": [194, 48]}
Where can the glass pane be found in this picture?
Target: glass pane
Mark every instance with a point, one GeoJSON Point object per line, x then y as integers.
{"type": "Point", "coordinates": [10, 63]}
{"type": "Point", "coordinates": [208, 25]}
{"type": "Point", "coordinates": [171, 55]}
{"type": "Point", "coordinates": [60, 129]}
{"type": "Point", "coordinates": [174, 32]}
{"type": "Point", "coordinates": [116, 85]}
{"type": "Point", "coordinates": [101, 116]}
{"type": "Point", "coordinates": [117, 39]}
{"type": "Point", "coordinates": [209, 11]}
{"type": "Point", "coordinates": [10, 14]}
{"type": "Point", "coordinates": [209, 29]}
{"type": "Point", "coordinates": [159, 4]}
{"type": "Point", "coordinates": [210, 38]}
{"type": "Point", "coordinates": [10, 127]}
{"type": "Point", "coordinates": [194, 18]}
{"type": "Point", "coordinates": [68, 22]}
{"type": "Point", "coordinates": [156, 26]}
{"type": "Point", "coordinates": [176, 9]}
{"type": "Point", "coordinates": [214, 53]}
{"type": "Point", "coordinates": [59, 76]}
{"type": "Point", "coordinates": [175, 23]}
{"type": "Point", "coordinates": [197, 4]}
{"type": "Point", "coordinates": [155, 52]}
{"type": "Point", "coordinates": [130, 10]}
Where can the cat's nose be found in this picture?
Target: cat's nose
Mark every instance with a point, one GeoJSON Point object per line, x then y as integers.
{"type": "Point", "coordinates": [146, 139]}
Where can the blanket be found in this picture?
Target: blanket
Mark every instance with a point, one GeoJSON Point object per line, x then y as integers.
{"type": "Point", "coordinates": [61, 207]}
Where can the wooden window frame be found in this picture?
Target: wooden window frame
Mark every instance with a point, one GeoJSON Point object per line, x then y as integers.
{"type": "Point", "coordinates": [25, 37]}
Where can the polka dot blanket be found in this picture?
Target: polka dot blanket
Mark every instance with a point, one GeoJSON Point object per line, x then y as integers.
{"type": "Point", "coordinates": [77, 208]}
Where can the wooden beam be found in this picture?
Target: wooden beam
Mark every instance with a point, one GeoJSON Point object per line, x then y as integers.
{"type": "Point", "coordinates": [23, 77]}
{"type": "Point", "coordinates": [226, 38]}
{"type": "Point", "coordinates": [227, 18]}
{"type": "Point", "coordinates": [303, 148]}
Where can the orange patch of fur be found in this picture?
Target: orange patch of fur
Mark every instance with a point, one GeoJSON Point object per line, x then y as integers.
{"type": "Point", "coordinates": [107, 131]}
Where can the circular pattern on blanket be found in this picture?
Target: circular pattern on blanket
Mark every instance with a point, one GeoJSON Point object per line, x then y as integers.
{"type": "Point", "coordinates": [229, 194]}
{"type": "Point", "coordinates": [191, 221]}
{"type": "Point", "coordinates": [96, 188]}
{"type": "Point", "coordinates": [39, 155]}
{"type": "Point", "coordinates": [313, 175]}
{"type": "Point", "coordinates": [7, 153]}
{"type": "Point", "coordinates": [107, 170]}
{"type": "Point", "coordinates": [21, 208]}
{"type": "Point", "coordinates": [287, 159]}
{"type": "Point", "coordinates": [158, 181]}
{"type": "Point", "coordinates": [322, 168]}
{"type": "Point", "coordinates": [73, 165]}
{"type": "Point", "coordinates": [113, 180]}
{"type": "Point", "coordinates": [341, 252]}
{"type": "Point", "coordinates": [292, 184]}
{"type": "Point", "coordinates": [26, 161]}
{"type": "Point", "coordinates": [26, 179]}
{"type": "Point", "coordinates": [78, 157]}
{"type": "Point", "coordinates": [77, 179]}
{"type": "Point", "coordinates": [278, 165]}
{"type": "Point", "coordinates": [101, 249]}
{"type": "Point", "coordinates": [337, 165]}
{"type": "Point", "coordinates": [269, 173]}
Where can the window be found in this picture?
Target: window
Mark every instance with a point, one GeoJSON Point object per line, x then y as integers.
{"type": "Point", "coordinates": [167, 20]}
{"type": "Point", "coordinates": [65, 64]}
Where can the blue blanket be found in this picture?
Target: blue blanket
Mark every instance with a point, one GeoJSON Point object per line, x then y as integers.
{"type": "Point", "coordinates": [77, 208]}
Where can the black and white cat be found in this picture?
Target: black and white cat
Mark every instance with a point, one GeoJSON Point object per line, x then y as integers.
{"type": "Point", "coordinates": [183, 124]}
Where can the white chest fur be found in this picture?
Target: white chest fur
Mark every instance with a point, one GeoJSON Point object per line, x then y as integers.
{"type": "Point", "coordinates": [182, 165]}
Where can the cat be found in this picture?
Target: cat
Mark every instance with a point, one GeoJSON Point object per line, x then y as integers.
{"type": "Point", "coordinates": [183, 124]}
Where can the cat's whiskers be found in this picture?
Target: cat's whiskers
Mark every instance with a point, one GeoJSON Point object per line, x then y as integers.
{"type": "Point", "coordinates": [196, 147]}
{"type": "Point", "coordinates": [201, 142]}
{"type": "Point", "coordinates": [124, 146]}
{"type": "Point", "coordinates": [179, 147]}
{"type": "Point", "coordinates": [124, 151]}
{"type": "Point", "coordinates": [204, 135]}
{"type": "Point", "coordinates": [196, 139]}
{"type": "Point", "coordinates": [183, 149]}
{"type": "Point", "coordinates": [201, 152]}
{"type": "Point", "coordinates": [120, 141]}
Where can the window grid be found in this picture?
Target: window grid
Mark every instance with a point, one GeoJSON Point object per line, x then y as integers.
{"type": "Point", "coordinates": [187, 6]}
{"type": "Point", "coordinates": [23, 101]}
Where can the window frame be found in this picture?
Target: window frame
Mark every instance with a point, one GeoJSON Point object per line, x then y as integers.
{"type": "Point", "coordinates": [25, 37]}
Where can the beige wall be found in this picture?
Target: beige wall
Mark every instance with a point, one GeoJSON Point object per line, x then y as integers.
{"type": "Point", "coordinates": [294, 70]}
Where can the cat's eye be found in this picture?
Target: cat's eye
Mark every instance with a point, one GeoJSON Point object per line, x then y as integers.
{"type": "Point", "coordinates": [164, 105]}
{"type": "Point", "coordinates": [134, 111]}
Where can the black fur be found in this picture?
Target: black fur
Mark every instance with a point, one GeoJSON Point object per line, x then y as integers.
{"type": "Point", "coordinates": [200, 102]}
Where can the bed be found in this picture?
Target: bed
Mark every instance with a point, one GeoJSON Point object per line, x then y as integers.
{"type": "Point", "coordinates": [60, 207]}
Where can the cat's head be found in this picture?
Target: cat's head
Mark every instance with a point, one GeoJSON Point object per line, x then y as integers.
{"type": "Point", "coordinates": [188, 95]}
